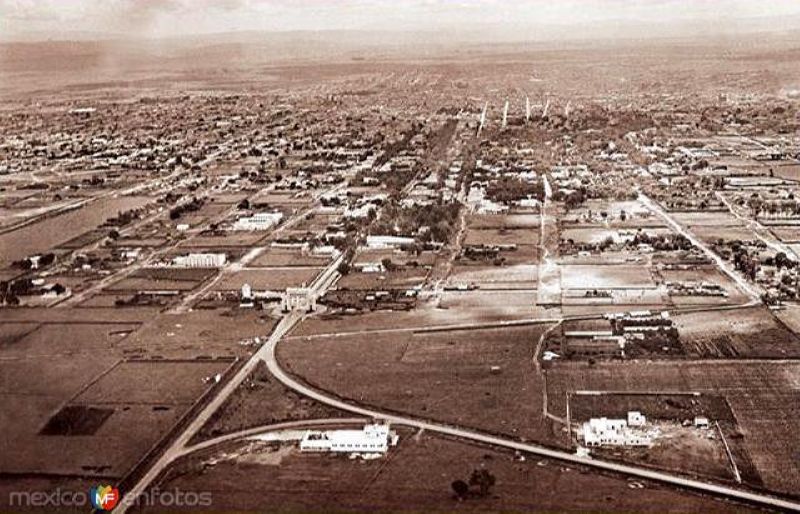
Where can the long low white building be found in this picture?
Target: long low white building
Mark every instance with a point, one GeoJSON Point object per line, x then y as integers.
{"type": "Point", "coordinates": [374, 438]}
{"type": "Point", "coordinates": [200, 260]}
{"type": "Point", "coordinates": [258, 221]}
{"type": "Point", "coordinates": [389, 241]}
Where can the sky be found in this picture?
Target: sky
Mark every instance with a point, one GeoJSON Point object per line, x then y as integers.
{"type": "Point", "coordinates": [166, 18]}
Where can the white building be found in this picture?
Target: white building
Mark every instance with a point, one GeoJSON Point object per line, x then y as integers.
{"type": "Point", "coordinates": [246, 296]}
{"type": "Point", "coordinates": [374, 438]}
{"type": "Point", "coordinates": [370, 267]}
{"type": "Point", "coordinates": [701, 422]}
{"type": "Point", "coordinates": [616, 432]}
{"type": "Point", "coordinates": [389, 241]}
{"type": "Point", "coordinates": [636, 419]}
{"type": "Point", "coordinates": [258, 221]}
{"type": "Point", "coordinates": [298, 298]}
{"type": "Point", "coordinates": [361, 212]}
{"type": "Point", "coordinates": [200, 260]}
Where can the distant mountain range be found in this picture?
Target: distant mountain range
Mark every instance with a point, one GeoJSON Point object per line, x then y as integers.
{"type": "Point", "coordinates": [84, 51]}
{"type": "Point", "coordinates": [722, 26]}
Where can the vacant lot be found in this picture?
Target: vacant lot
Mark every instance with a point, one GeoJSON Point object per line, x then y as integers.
{"type": "Point", "coordinates": [135, 284]}
{"type": "Point", "coordinates": [280, 257]}
{"type": "Point", "coordinates": [146, 398]}
{"type": "Point", "coordinates": [788, 171]}
{"type": "Point", "coordinates": [404, 278]}
{"type": "Point", "coordinates": [262, 400]}
{"type": "Point", "coordinates": [488, 302]}
{"type": "Point", "coordinates": [123, 409]}
{"type": "Point", "coordinates": [268, 279]}
{"type": "Point", "coordinates": [752, 332]}
{"type": "Point", "coordinates": [10, 333]}
{"type": "Point", "coordinates": [727, 233]}
{"type": "Point", "coordinates": [507, 221]}
{"type": "Point", "coordinates": [520, 276]}
{"type": "Point", "coordinates": [157, 382]}
{"type": "Point", "coordinates": [64, 339]}
{"type": "Point", "coordinates": [201, 333]}
{"type": "Point", "coordinates": [577, 276]}
{"type": "Point", "coordinates": [187, 274]}
{"type": "Point", "coordinates": [502, 236]}
{"type": "Point", "coordinates": [373, 255]}
{"type": "Point", "coordinates": [446, 376]}
{"type": "Point", "coordinates": [707, 219]}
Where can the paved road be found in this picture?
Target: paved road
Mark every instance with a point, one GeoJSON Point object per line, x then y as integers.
{"type": "Point", "coordinates": [737, 494]}
{"type": "Point", "coordinates": [757, 229]}
{"type": "Point", "coordinates": [484, 325]}
{"type": "Point", "coordinates": [178, 446]}
{"type": "Point", "coordinates": [176, 449]}
{"type": "Point", "coordinates": [263, 429]}
{"type": "Point", "coordinates": [724, 266]}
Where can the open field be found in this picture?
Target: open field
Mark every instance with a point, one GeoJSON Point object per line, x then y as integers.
{"type": "Point", "coordinates": [405, 278]}
{"type": "Point", "coordinates": [133, 284]}
{"type": "Point", "coordinates": [445, 376]}
{"type": "Point", "coordinates": [199, 334]}
{"type": "Point", "coordinates": [529, 222]}
{"type": "Point", "coordinates": [375, 255]}
{"type": "Point", "coordinates": [706, 219]}
{"type": "Point", "coordinates": [279, 257]}
{"type": "Point", "coordinates": [267, 279]}
{"type": "Point", "coordinates": [135, 412]}
{"type": "Point", "coordinates": [502, 236]}
{"type": "Point", "coordinates": [483, 301]}
{"type": "Point", "coordinates": [522, 276]}
{"type": "Point", "coordinates": [262, 400]}
{"type": "Point", "coordinates": [745, 333]}
{"type": "Point", "coordinates": [606, 277]}
{"type": "Point", "coordinates": [66, 339]}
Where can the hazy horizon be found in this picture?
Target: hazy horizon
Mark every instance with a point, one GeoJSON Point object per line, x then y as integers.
{"type": "Point", "coordinates": [478, 19]}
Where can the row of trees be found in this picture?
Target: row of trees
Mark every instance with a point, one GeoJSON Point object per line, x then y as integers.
{"type": "Point", "coordinates": [27, 263]}
{"type": "Point", "coordinates": [510, 189]}
{"type": "Point", "coordinates": [193, 205]}
{"type": "Point", "coordinates": [441, 219]}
